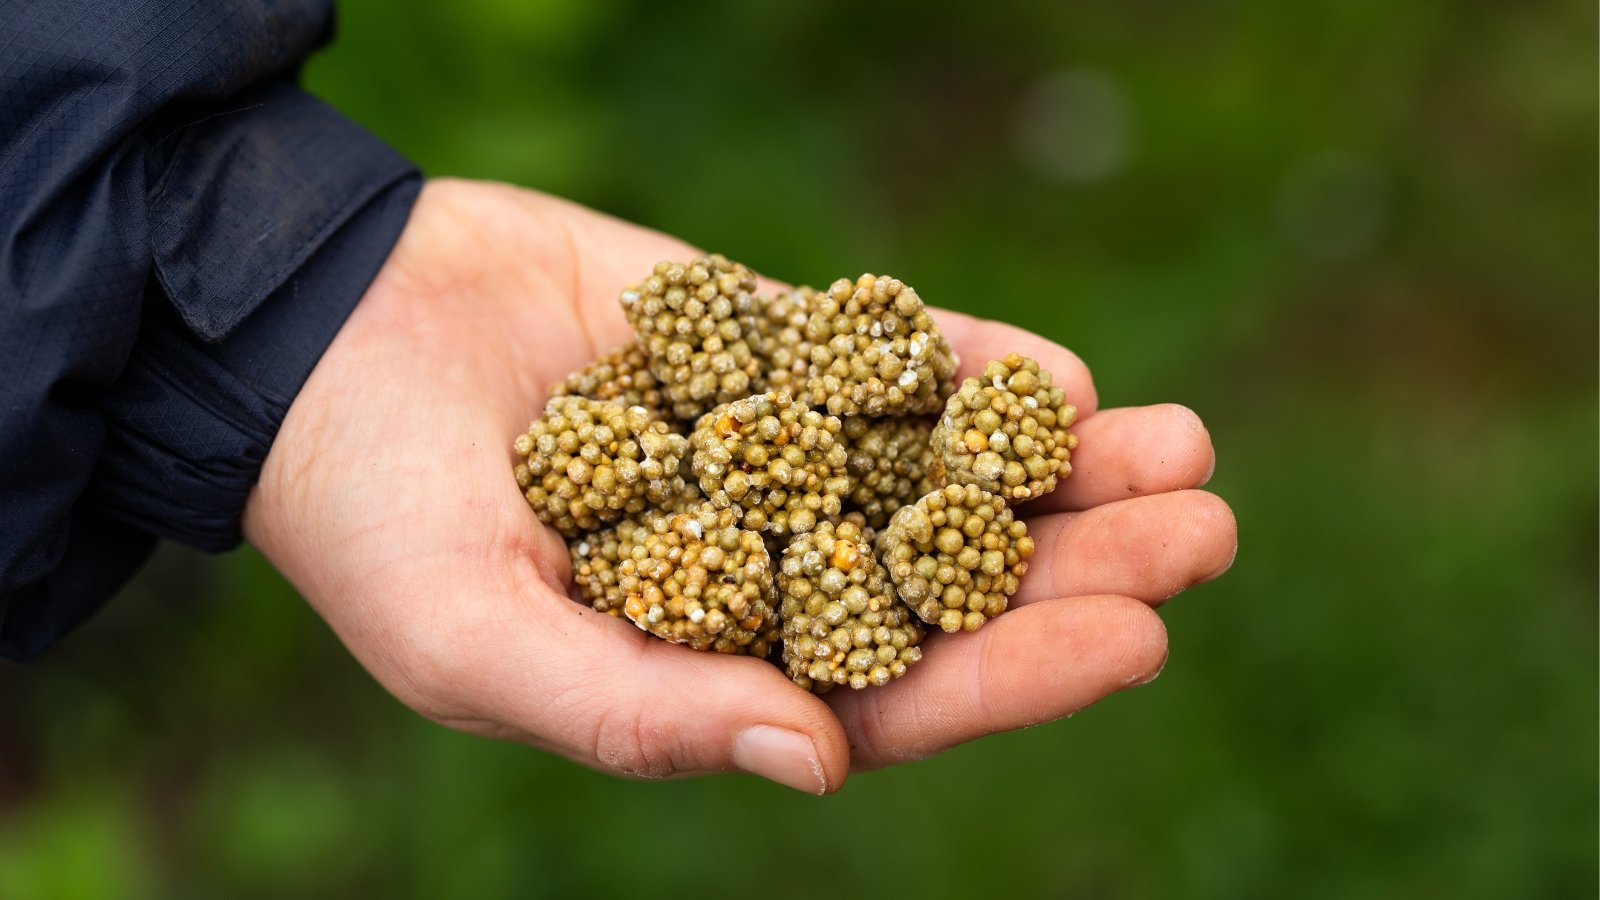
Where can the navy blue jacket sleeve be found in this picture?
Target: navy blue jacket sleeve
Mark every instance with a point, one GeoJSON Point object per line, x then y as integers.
{"type": "Point", "coordinates": [182, 231]}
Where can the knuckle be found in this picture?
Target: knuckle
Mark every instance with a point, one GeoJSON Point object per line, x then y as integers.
{"type": "Point", "coordinates": [633, 742]}
{"type": "Point", "coordinates": [868, 740]}
{"type": "Point", "coordinates": [984, 707]}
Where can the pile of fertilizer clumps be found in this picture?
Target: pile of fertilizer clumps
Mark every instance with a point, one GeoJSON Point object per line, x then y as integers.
{"type": "Point", "coordinates": [796, 477]}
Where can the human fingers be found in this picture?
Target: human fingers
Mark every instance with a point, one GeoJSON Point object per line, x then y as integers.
{"type": "Point", "coordinates": [1150, 548]}
{"type": "Point", "coordinates": [1029, 666]}
{"type": "Point", "coordinates": [1132, 452]}
{"type": "Point", "coordinates": [555, 674]}
{"type": "Point", "coordinates": [977, 341]}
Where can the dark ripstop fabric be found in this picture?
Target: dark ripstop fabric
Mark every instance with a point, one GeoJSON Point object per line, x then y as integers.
{"type": "Point", "coordinates": [182, 231]}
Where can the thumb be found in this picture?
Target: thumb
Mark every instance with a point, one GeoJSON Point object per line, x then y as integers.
{"type": "Point", "coordinates": [602, 692]}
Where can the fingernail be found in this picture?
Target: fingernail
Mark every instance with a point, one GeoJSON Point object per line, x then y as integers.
{"type": "Point", "coordinates": [1142, 680]}
{"type": "Point", "coordinates": [780, 755]}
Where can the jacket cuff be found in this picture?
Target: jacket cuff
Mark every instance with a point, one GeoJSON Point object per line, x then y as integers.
{"type": "Point", "coordinates": [191, 420]}
{"type": "Point", "coordinates": [248, 194]}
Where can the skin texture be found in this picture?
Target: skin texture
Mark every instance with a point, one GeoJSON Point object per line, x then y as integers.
{"type": "Point", "coordinates": [387, 499]}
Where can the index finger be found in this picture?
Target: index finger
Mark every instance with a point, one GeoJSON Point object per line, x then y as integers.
{"type": "Point", "coordinates": [977, 341]}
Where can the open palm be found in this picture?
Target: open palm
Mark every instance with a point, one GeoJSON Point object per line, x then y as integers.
{"type": "Point", "coordinates": [387, 499]}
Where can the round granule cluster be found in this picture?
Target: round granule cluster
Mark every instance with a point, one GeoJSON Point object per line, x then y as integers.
{"type": "Point", "coordinates": [955, 556]}
{"type": "Point", "coordinates": [621, 376]}
{"type": "Point", "coordinates": [889, 461]}
{"type": "Point", "coordinates": [585, 463]}
{"type": "Point", "coordinates": [697, 323]}
{"type": "Point", "coordinates": [595, 557]}
{"type": "Point", "coordinates": [686, 497]}
{"type": "Point", "coordinates": [875, 350]}
{"type": "Point", "coordinates": [774, 459]}
{"type": "Point", "coordinates": [784, 351]}
{"type": "Point", "coordinates": [699, 579]}
{"type": "Point", "coordinates": [858, 519]}
{"type": "Point", "coordinates": [1006, 431]}
{"type": "Point", "coordinates": [842, 623]}
{"type": "Point", "coordinates": [777, 544]}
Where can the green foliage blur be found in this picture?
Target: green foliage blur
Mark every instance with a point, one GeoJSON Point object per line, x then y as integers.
{"type": "Point", "coordinates": [1358, 237]}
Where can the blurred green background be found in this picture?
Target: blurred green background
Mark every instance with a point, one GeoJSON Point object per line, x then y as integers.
{"type": "Point", "coordinates": [1358, 237]}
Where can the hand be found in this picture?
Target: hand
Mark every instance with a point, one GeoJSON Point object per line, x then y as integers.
{"type": "Point", "coordinates": [387, 499]}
